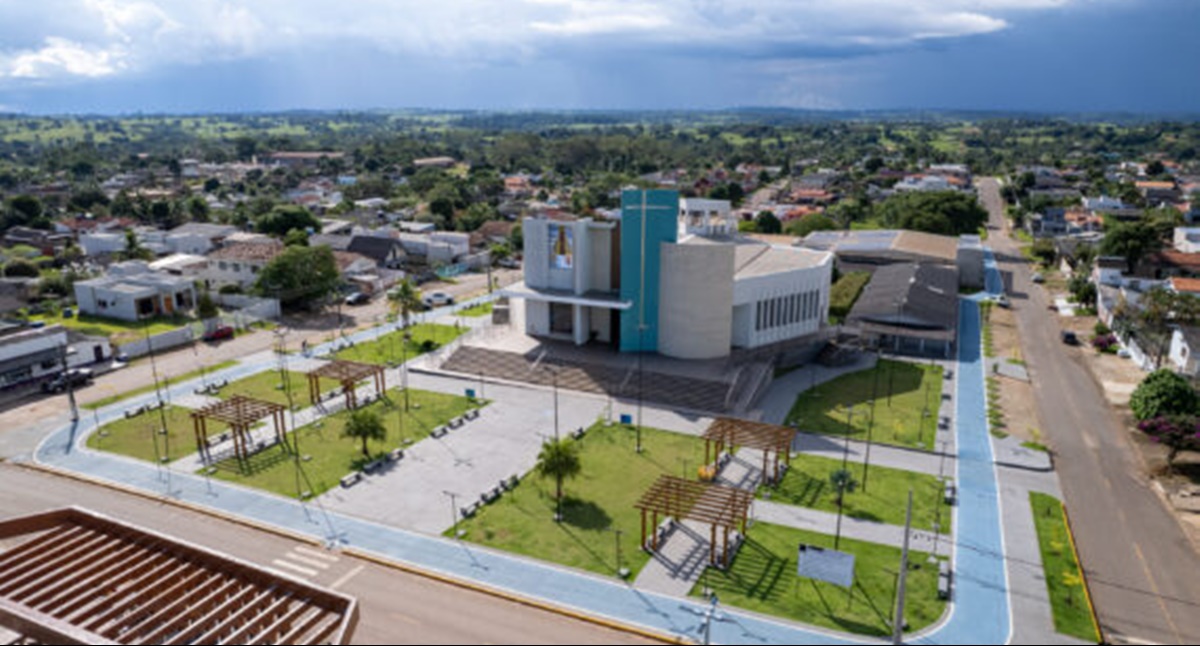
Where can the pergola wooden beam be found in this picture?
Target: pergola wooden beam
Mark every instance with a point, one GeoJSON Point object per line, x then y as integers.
{"type": "Point", "coordinates": [109, 582]}
{"type": "Point", "coordinates": [240, 413]}
{"type": "Point", "coordinates": [716, 505]}
{"type": "Point", "coordinates": [348, 374]}
{"type": "Point", "coordinates": [773, 440]}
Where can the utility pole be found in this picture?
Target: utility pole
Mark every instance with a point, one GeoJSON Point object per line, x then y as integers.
{"type": "Point", "coordinates": [162, 412]}
{"type": "Point", "coordinates": [898, 620]}
{"type": "Point", "coordinates": [404, 366]}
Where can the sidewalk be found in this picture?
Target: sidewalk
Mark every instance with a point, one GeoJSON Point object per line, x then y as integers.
{"type": "Point", "coordinates": [855, 528]}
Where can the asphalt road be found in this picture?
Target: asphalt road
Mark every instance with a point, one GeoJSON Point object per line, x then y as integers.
{"type": "Point", "coordinates": [1141, 566]}
{"type": "Point", "coordinates": [395, 607]}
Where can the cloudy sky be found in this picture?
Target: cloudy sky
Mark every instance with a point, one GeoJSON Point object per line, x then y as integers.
{"type": "Point", "coordinates": [224, 55]}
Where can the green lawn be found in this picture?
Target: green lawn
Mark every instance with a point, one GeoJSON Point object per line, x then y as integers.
{"type": "Point", "coordinates": [139, 438]}
{"type": "Point", "coordinates": [484, 309]}
{"type": "Point", "coordinates": [115, 330]}
{"type": "Point", "coordinates": [596, 503]}
{"type": "Point", "coordinates": [388, 348]}
{"type": "Point", "coordinates": [166, 381]}
{"type": "Point", "coordinates": [267, 386]}
{"type": "Point", "coordinates": [807, 484]}
{"type": "Point", "coordinates": [333, 456]}
{"type": "Point", "coordinates": [763, 579]}
{"type": "Point", "coordinates": [845, 292]}
{"type": "Point", "coordinates": [1068, 597]}
{"type": "Point", "coordinates": [898, 421]}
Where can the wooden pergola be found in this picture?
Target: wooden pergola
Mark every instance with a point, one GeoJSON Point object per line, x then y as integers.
{"type": "Point", "coordinates": [717, 505]}
{"type": "Point", "coordinates": [775, 442]}
{"type": "Point", "coordinates": [73, 576]}
{"type": "Point", "coordinates": [240, 413]}
{"type": "Point", "coordinates": [347, 373]}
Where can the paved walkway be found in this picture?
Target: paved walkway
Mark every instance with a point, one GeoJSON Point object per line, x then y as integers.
{"type": "Point", "coordinates": [777, 402]}
{"type": "Point", "coordinates": [980, 612]}
{"type": "Point", "coordinates": [680, 561]}
{"type": "Point", "coordinates": [882, 455]}
{"type": "Point", "coordinates": [855, 528]}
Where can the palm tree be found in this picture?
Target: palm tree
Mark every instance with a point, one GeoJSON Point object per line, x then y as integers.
{"type": "Point", "coordinates": [558, 459]}
{"type": "Point", "coordinates": [365, 425]}
{"type": "Point", "coordinates": [843, 483]}
{"type": "Point", "coordinates": [406, 298]}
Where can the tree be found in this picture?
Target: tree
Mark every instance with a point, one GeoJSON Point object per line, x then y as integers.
{"type": "Point", "coordinates": [405, 299]}
{"type": "Point", "coordinates": [1162, 394]}
{"type": "Point", "coordinates": [22, 210]}
{"type": "Point", "coordinates": [211, 185]}
{"type": "Point", "coordinates": [1155, 168]}
{"type": "Point", "coordinates": [206, 308]}
{"type": "Point", "coordinates": [766, 222]}
{"type": "Point", "coordinates": [1176, 432]}
{"type": "Point", "coordinates": [19, 268]}
{"type": "Point", "coordinates": [1043, 249]}
{"type": "Point", "coordinates": [134, 249]}
{"type": "Point", "coordinates": [1133, 242]}
{"type": "Point", "coordinates": [941, 212]}
{"type": "Point", "coordinates": [300, 276]}
{"type": "Point", "coordinates": [809, 223]}
{"type": "Point", "coordinates": [558, 459]}
{"type": "Point", "coordinates": [296, 238]}
{"type": "Point", "coordinates": [365, 425]}
{"type": "Point", "coordinates": [843, 482]}
{"type": "Point", "coordinates": [197, 209]}
{"type": "Point", "coordinates": [281, 219]}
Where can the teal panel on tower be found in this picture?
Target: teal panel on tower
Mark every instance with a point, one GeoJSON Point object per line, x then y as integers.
{"type": "Point", "coordinates": [648, 219]}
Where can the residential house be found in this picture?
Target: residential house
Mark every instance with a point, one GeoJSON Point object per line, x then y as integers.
{"type": "Point", "coordinates": [180, 264]}
{"type": "Point", "coordinates": [384, 252]}
{"type": "Point", "coordinates": [28, 354]}
{"type": "Point", "coordinates": [1187, 239]}
{"type": "Point", "coordinates": [1158, 193]}
{"type": "Point", "coordinates": [48, 243]}
{"type": "Point", "coordinates": [132, 291]}
{"type": "Point", "coordinates": [297, 159]}
{"type": "Point", "coordinates": [924, 183]}
{"type": "Point", "coordinates": [239, 263]}
{"type": "Point", "coordinates": [1050, 222]}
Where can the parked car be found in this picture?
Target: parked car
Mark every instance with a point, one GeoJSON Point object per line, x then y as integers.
{"type": "Point", "coordinates": [73, 378]}
{"type": "Point", "coordinates": [357, 298]}
{"type": "Point", "coordinates": [1001, 300]}
{"type": "Point", "coordinates": [218, 333]}
{"type": "Point", "coordinates": [1038, 278]}
{"type": "Point", "coordinates": [437, 299]}
{"type": "Point", "coordinates": [1069, 338]}
{"type": "Point", "coordinates": [509, 263]}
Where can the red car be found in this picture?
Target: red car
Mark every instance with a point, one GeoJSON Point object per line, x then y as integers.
{"type": "Point", "coordinates": [218, 333]}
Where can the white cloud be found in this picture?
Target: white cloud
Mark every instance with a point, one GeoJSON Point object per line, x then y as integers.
{"type": "Point", "coordinates": [91, 38]}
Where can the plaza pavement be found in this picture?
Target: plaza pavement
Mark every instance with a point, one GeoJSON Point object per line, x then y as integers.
{"type": "Point", "coordinates": [980, 612]}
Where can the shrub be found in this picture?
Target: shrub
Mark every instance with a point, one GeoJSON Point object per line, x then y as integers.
{"type": "Point", "coordinates": [1162, 394]}
{"type": "Point", "coordinates": [1101, 329]}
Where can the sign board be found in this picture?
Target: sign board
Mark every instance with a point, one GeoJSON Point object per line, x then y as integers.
{"type": "Point", "coordinates": [826, 565]}
{"type": "Point", "coordinates": [626, 419]}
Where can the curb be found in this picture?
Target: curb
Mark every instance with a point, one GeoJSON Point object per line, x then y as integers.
{"type": "Point", "coordinates": [465, 584]}
{"type": "Point", "coordinates": [1087, 594]}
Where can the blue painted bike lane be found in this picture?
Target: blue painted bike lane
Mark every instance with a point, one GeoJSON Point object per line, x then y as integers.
{"type": "Point", "coordinates": [979, 614]}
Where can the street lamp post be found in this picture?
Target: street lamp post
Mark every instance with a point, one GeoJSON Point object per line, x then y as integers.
{"type": "Point", "coordinates": [404, 367]}
{"type": "Point", "coordinates": [453, 511]}
{"type": "Point", "coordinates": [837, 536]}
{"type": "Point", "coordinates": [641, 351]}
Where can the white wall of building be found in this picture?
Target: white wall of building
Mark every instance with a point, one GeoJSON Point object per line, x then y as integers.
{"type": "Point", "coordinates": [1187, 239]}
{"type": "Point", "coordinates": [30, 354]}
{"type": "Point", "coordinates": [1182, 357]}
{"type": "Point", "coordinates": [782, 305]}
{"type": "Point", "coordinates": [94, 244]}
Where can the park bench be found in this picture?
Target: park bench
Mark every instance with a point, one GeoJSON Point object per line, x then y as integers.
{"type": "Point", "coordinates": [351, 479]}
{"type": "Point", "coordinates": [373, 465]}
{"type": "Point", "coordinates": [471, 414]}
{"type": "Point", "coordinates": [513, 481]}
{"type": "Point", "coordinates": [396, 454]}
{"type": "Point", "coordinates": [943, 580]}
{"type": "Point", "coordinates": [948, 493]}
{"type": "Point", "coordinates": [469, 510]}
{"type": "Point", "coordinates": [438, 432]}
{"type": "Point", "coordinates": [456, 422]}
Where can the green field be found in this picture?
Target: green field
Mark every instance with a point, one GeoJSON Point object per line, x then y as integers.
{"type": "Point", "coordinates": [333, 456]}
{"type": "Point", "coordinates": [267, 386]}
{"type": "Point", "coordinates": [139, 438]}
{"type": "Point", "coordinates": [389, 348]}
{"type": "Point", "coordinates": [763, 579]}
{"type": "Point", "coordinates": [807, 484]}
{"type": "Point", "coordinates": [898, 419]}
{"type": "Point", "coordinates": [166, 382]}
{"type": "Point", "coordinates": [596, 503]}
{"type": "Point", "coordinates": [1068, 597]}
{"type": "Point", "coordinates": [115, 330]}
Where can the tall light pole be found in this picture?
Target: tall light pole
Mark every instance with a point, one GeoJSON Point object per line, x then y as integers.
{"type": "Point", "coordinates": [871, 422]}
{"type": "Point", "coordinates": [453, 511]}
{"type": "Point", "coordinates": [898, 620]}
{"type": "Point", "coordinates": [404, 366]}
{"type": "Point", "coordinates": [162, 412]}
{"type": "Point", "coordinates": [641, 351]}
{"type": "Point", "coordinates": [837, 537]}
{"type": "Point", "coordinates": [554, 374]}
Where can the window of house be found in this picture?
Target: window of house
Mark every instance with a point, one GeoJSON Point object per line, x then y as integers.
{"type": "Point", "coordinates": [222, 265]}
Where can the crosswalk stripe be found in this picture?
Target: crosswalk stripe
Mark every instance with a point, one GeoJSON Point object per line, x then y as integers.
{"type": "Point", "coordinates": [308, 551]}
{"type": "Point", "coordinates": [292, 566]}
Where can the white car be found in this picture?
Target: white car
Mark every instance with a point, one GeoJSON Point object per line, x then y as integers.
{"type": "Point", "coordinates": [437, 299]}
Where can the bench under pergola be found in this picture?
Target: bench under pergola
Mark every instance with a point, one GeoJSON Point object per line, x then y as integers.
{"type": "Point", "coordinates": [73, 576]}
{"type": "Point", "coordinates": [240, 413]}
{"type": "Point", "coordinates": [719, 506]}
{"type": "Point", "coordinates": [774, 441]}
{"type": "Point", "coordinates": [346, 373]}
